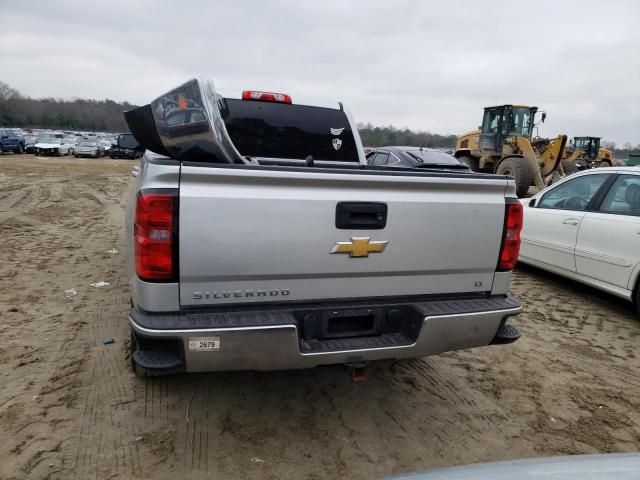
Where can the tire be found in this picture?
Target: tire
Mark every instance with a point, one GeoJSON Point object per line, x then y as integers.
{"type": "Point", "coordinates": [58, 153]}
{"type": "Point", "coordinates": [20, 150]}
{"type": "Point", "coordinates": [582, 165]}
{"type": "Point", "coordinates": [569, 167]}
{"type": "Point", "coordinates": [604, 163]}
{"type": "Point", "coordinates": [520, 170]}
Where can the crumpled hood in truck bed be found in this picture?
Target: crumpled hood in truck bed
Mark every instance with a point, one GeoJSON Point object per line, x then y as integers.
{"type": "Point", "coordinates": [185, 123]}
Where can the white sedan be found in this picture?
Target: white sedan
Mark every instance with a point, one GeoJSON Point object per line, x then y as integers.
{"type": "Point", "coordinates": [52, 146]}
{"type": "Point", "coordinates": [587, 228]}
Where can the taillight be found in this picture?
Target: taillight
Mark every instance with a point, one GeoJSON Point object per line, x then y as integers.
{"type": "Point", "coordinates": [511, 235]}
{"type": "Point", "coordinates": [155, 235]}
{"type": "Point", "coordinates": [266, 96]}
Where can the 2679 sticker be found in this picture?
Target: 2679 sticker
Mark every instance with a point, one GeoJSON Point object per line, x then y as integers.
{"type": "Point", "coordinates": [204, 344]}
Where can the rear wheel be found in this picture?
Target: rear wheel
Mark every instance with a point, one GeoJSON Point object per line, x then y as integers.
{"type": "Point", "coordinates": [569, 167]}
{"type": "Point", "coordinates": [520, 170]}
{"type": "Point", "coordinates": [20, 149]}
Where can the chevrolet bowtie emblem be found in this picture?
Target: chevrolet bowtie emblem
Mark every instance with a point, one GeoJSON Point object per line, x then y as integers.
{"type": "Point", "coordinates": [359, 247]}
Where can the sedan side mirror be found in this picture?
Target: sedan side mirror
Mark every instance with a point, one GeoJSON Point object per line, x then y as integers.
{"type": "Point", "coordinates": [532, 202]}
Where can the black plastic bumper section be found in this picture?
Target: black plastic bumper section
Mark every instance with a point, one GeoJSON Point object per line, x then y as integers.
{"type": "Point", "coordinates": [506, 334]}
{"type": "Point", "coordinates": [256, 316]}
{"type": "Point", "coordinates": [159, 361]}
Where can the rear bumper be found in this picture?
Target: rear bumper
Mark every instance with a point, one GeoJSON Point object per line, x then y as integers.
{"type": "Point", "coordinates": [272, 340]}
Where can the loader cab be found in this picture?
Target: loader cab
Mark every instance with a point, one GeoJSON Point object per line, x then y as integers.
{"type": "Point", "coordinates": [505, 121]}
{"type": "Point", "coordinates": [590, 146]}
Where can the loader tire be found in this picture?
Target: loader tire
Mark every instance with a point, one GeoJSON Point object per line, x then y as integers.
{"type": "Point", "coordinates": [605, 163]}
{"type": "Point", "coordinates": [569, 167]}
{"type": "Point", "coordinates": [519, 169]}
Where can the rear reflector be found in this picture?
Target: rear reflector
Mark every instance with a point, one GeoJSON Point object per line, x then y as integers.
{"type": "Point", "coordinates": [511, 235]}
{"type": "Point", "coordinates": [266, 96]}
{"type": "Point", "coordinates": [154, 235]}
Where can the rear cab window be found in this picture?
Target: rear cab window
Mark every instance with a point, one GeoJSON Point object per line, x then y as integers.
{"type": "Point", "coordinates": [289, 131]}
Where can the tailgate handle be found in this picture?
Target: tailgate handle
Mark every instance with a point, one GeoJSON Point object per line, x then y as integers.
{"type": "Point", "coordinates": [361, 215]}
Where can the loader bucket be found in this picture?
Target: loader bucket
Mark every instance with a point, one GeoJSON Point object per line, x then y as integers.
{"type": "Point", "coordinates": [551, 156]}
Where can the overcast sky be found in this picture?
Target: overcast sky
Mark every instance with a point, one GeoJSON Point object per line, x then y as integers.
{"type": "Point", "coordinates": [423, 65]}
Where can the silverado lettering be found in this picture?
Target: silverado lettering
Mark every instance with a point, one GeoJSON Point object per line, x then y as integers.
{"type": "Point", "coordinates": [240, 293]}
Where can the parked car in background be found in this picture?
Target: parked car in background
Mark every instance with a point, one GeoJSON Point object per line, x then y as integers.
{"type": "Point", "coordinates": [413, 157]}
{"type": "Point", "coordinates": [52, 146]}
{"type": "Point", "coordinates": [73, 142]}
{"type": "Point", "coordinates": [587, 228]}
{"type": "Point", "coordinates": [29, 141]}
{"type": "Point", "coordinates": [11, 142]}
{"type": "Point", "coordinates": [89, 148]}
{"type": "Point", "coordinates": [126, 146]}
{"type": "Point", "coordinates": [106, 146]}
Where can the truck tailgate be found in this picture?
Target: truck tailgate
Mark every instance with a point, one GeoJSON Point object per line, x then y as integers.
{"type": "Point", "coordinates": [251, 234]}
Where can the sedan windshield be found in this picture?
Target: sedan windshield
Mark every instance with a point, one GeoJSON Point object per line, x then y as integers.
{"type": "Point", "coordinates": [50, 140]}
{"type": "Point", "coordinates": [87, 144]}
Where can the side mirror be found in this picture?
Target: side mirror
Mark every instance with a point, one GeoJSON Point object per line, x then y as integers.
{"type": "Point", "coordinates": [532, 202]}
{"type": "Point", "coordinates": [544, 116]}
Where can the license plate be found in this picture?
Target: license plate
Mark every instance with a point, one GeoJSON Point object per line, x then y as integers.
{"type": "Point", "coordinates": [204, 344]}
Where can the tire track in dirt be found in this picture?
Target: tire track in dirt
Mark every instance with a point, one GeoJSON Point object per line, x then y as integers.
{"type": "Point", "coordinates": [41, 222]}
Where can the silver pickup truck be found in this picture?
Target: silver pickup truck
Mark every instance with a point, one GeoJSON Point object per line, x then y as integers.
{"type": "Point", "coordinates": [261, 240]}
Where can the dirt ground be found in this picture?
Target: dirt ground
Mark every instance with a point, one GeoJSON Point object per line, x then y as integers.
{"type": "Point", "coordinates": [71, 408]}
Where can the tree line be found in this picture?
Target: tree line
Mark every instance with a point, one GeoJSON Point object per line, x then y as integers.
{"type": "Point", "coordinates": [17, 110]}
{"type": "Point", "coordinates": [390, 135]}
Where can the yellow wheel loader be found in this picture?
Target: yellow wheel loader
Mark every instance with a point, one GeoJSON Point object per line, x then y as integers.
{"type": "Point", "coordinates": [503, 145]}
{"type": "Point", "coordinates": [587, 149]}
